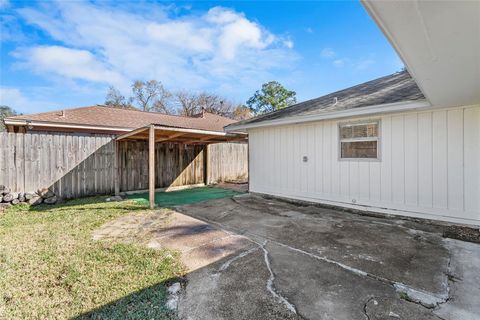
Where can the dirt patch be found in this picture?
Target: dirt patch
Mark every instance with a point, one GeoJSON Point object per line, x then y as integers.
{"type": "Point", "coordinates": [462, 233]}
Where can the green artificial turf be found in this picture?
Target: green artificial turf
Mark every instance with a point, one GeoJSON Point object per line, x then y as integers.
{"type": "Point", "coordinates": [187, 196]}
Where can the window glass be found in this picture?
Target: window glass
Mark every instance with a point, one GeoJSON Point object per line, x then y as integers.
{"type": "Point", "coordinates": [359, 140]}
{"type": "Point", "coordinates": [360, 149]}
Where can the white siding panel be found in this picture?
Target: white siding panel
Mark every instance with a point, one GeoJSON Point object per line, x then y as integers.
{"type": "Point", "coordinates": [311, 159]}
{"type": "Point", "coordinates": [386, 160]}
{"type": "Point", "coordinates": [344, 179]}
{"type": "Point", "coordinates": [472, 161]}
{"type": "Point", "coordinates": [429, 164]}
{"type": "Point", "coordinates": [455, 159]}
{"type": "Point", "coordinates": [364, 180]}
{"type": "Point", "coordinates": [398, 160]}
{"type": "Point", "coordinates": [439, 163]}
{"type": "Point", "coordinates": [411, 159]}
{"type": "Point", "coordinates": [327, 158]}
{"type": "Point", "coordinates": [354, 180]}
{"type": "Point", "coordinates": [335, 163]}
{"type": "Point", "coordinates": [425, 148]}
{"type": "Point", "coordinates": [375, 181]}
{"type": "Point", "coordinates": [303, 153]}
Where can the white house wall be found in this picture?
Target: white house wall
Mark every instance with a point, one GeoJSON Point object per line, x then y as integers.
{"type": "Point", "coordinates": [429, 166]}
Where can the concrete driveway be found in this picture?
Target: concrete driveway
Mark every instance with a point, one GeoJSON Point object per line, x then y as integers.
{"type": "Point", "coordinates": [306, 262]}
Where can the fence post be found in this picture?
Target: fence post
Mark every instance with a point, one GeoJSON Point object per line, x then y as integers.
{"type": "Point", "coordinates": [206, 164]}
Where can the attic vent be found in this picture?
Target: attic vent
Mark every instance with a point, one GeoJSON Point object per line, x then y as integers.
{"type": "Point", "coordinates": [335, 101]}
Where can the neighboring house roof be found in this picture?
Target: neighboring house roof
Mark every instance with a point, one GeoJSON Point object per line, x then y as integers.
{"type": "Point", "coordinates": [391, 89]}
{"type": "Point", "coordinates": [102, 116]}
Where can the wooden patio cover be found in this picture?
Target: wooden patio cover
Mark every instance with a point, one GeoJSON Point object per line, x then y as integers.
{"type": "Point", "coordinates": [156, 133]}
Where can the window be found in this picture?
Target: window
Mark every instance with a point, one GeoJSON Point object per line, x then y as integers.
{"type": "Point", "coordinates": [359, 140]}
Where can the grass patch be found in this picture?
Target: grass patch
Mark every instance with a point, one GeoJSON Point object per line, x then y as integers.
{"type": "Point", "coordinates": [50, 268]}
{"type": "Point", "coordinates": [404, 296]}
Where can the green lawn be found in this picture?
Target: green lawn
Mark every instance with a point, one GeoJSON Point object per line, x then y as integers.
{"type": "Point", "coordinates": [50, 268]}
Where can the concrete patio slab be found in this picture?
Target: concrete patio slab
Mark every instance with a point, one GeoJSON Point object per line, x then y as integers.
{"type": "Point", "coordinates": [328, 264]}
{"type": "Point", "coordinates": [255, 258]}
{"type": "Point", "coordinates": [199, 243]}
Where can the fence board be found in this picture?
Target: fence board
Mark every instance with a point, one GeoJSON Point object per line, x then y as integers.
{"type": "Point", "coordinates": [75, 165]}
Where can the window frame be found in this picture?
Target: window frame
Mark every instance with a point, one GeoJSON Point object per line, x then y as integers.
{"type": "Point", "coordinates": [378, 139]}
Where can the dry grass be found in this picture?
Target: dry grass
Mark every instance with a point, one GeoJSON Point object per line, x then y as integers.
{"type": "Point", "coordinates": [50, 268]}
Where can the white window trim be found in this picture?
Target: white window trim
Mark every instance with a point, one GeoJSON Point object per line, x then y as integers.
{"type": "Point", "coordinates": [377, 138]}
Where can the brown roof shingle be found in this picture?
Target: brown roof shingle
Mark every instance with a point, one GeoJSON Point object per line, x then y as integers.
{"type": "Point", "coordinates": [126, 118]}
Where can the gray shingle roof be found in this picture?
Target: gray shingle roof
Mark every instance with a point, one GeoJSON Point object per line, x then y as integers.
{"type": "Point", "coordinates": [397, 87]}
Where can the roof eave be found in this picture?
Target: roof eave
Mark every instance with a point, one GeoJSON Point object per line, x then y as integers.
{"type": "Point", "coordinates": [35, 123]}
{"type": "Point", "coordinates": [363, 111]}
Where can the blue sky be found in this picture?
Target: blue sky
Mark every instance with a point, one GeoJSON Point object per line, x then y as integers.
{"type": "Point", "coordinates": [62, 54]}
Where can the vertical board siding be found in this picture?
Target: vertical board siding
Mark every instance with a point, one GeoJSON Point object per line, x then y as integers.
{"type": "Point", "coordinates": [429, 163]}
{"type": "Point", "coordinates": [471, 133]}
{"type": "Point", "coordinates": [74, 165]}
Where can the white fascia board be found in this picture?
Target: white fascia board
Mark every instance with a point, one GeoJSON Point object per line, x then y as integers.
{"type": "Point", "coordinates": [363, 111]}
{"type": "Point", "coordinates": [197, 131]}
{"type": "Point", "coordinates": [16, 122]}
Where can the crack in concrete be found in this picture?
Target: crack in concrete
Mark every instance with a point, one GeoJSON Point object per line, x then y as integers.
{"type": "Point", "coordinates": [365, 307]}
{"type": "Point", "coordinates": [271, 279]}
{"type": "Point", "coordinates": [237, 257]}
{"type": "Point", "coordinates": [424, 298]}
{"type": "Point", "coordinates": [270, 286]}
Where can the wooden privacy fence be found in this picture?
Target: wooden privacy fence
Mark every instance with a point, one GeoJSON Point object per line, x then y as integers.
{"type": "Point", "coordinates": [75, 165]}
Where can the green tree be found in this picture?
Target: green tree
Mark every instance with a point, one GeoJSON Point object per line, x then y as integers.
{"type": "Point", "coordinates": [5, 112]}
{"type": "Point", "coordinates": [273, 96]}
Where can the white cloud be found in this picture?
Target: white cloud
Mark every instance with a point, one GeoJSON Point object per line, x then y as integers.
{"type": "Point", "coordinates": [237, 32]}
{"type": "Point", "coordinates": [18, 101]}
{"type": "Point", "coordinates": [288, 43]}
{"type": "Point", "coordinates": [118, 45]}
{"type": "Point", "coordinates": [70, 63]}
{"type": "Point", "coordinates": [9, 95]}
{"type": "Point", "coordinates": [328, 53]}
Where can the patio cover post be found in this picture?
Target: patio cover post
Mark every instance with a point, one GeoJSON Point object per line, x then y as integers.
{"type": "Point", "coordinates": [151, 166]}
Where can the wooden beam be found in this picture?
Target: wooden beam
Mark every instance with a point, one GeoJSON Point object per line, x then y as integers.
{"type": "Point", "coordinates": [131, 133]}
{"type": "Point", "coordinates": [175, 135]}
{"type": "Point", "coordinates": [151, 166]}
{"type": "Point", "coordinates": [200, 139]}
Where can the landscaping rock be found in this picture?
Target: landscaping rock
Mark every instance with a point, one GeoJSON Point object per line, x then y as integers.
{"type": "Point", "coordinates": [21, 197]}
{"type": "Point", "coordinates": [1, 198]}
{"type": "Point", "coordinates": [45, 193]}
{"type": "Point", "coordinates": [174, 288]}
{"type": "Point", "coordinates": [35, 200]}
{"type": "Point", "coordinates": [114, 198]}
{"type": "Point", "coordinates": [51, 200]}
{"type": "Point", "coordinates": [30, 195]}
{"type": "Point", "coordinates": [15, 201]}
{"type": "Point", "coordinates": [10, 196]}
{"type": "Point", "coordinates": [4, 190]}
